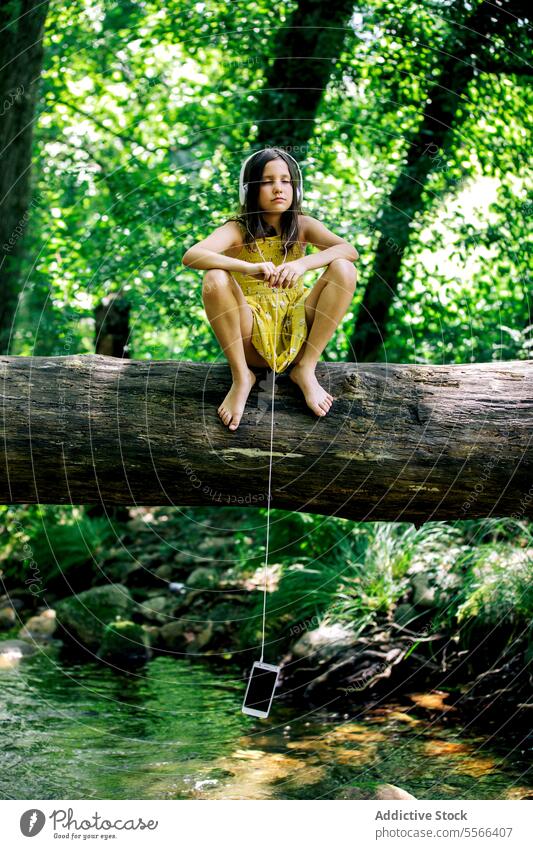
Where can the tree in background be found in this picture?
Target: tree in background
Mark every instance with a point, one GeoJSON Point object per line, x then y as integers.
{"type": "Point", "coordinates": [306, 51]}
{"type": "Point", "coordinates": [21, 49]}
{"type": "Point", "coordinates": [143, 126]}
{"type": "Point", "coordinates": [491, 38]}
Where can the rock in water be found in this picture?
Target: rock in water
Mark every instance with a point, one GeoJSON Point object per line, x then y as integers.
{"type": "Point", "coordinates": [324, 642]}
{"type": "Point", "coordinates": [8, 618]}
{"type": "Point", "coordinates": [18, 647]}
{"type": "Point", "coordinates": [12, 651]}
{"type": "Point", "coordinates": [125, 643]}
{"type": "Point", "coordinates": [423, 592]}
{"type": "Point", "coordinates": [202, 578]}
{"type": "Point", "coordinates": [39, 628]}
{"type": "Point", "coordinates": [386, 792]}
{"type": "Point", "coordinates": [84, 617]}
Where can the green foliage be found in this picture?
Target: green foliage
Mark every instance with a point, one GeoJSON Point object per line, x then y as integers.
{"type": "Point", "coordinates": [140, 132]}
{"type": "Point", "coordinates": [499, 588]}
{"type": "Point", "coordinates": [139, 140]}
{"type": "Point", "coordinates": [480, 569]}
{"type": "Point", "coordinates": [47, 543]}
{"type": "Point", "coordinates": [372, 584]}
{"type": "Point", "coordinates": [356, 574]}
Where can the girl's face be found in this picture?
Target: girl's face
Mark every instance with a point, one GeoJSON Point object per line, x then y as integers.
{"type": "Point", "coordinates": [275, 190]}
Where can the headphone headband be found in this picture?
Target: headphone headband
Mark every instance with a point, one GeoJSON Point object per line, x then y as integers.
{"type": "Point", "coordinates": [243, 187]}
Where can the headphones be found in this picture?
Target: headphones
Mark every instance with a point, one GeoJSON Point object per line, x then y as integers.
{"type": "Point", "coordinates": [243, 187]}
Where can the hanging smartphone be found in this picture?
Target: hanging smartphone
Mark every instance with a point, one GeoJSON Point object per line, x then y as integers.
{"type": "Point", "coordinates": [260, 690]}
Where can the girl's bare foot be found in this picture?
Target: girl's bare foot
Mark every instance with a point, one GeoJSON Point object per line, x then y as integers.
{"type": "Point", "coordinates": [232, 407]}
{"type": "Point", "coordinates": [315, 395]}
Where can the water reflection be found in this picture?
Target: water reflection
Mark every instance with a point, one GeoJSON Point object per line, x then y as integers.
{"type": "Point", "coordinates": [175, 731]}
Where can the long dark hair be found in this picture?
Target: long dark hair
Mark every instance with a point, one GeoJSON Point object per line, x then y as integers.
{"type": "Point", "coordinates": [249, 216]}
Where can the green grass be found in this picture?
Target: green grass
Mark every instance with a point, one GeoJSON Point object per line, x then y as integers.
{"type": "Point", "coordinates": [47, 542]}
{"type": "Point", "coordinates": [331, 570]}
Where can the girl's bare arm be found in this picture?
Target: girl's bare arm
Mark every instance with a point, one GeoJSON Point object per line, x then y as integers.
{"type": "Point", "coordinates": [329, 245]}
{"type": "Point", "coordinates": [209, 252]}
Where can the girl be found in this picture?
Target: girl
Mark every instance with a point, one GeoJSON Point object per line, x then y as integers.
{"type": "Point", "coordinates": [253, 291]}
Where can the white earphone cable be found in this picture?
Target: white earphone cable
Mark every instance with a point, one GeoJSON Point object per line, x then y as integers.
{"type": "Point", "coordinates": [269, 461]}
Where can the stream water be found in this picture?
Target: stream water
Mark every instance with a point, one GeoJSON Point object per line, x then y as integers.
{"type": "Point", "coordinates": [174, 730]}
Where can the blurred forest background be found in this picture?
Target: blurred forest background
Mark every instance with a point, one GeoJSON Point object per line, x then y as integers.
{"type": "Point", "coordinates": [410, 121]}
{"type": "Point", "coordinates": [123, 129]}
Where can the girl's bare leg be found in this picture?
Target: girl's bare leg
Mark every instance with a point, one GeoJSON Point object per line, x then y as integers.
{"type": "Point", "coordinates": [325, 306]}
{"type": "Point", "coordinates": [231, 319]}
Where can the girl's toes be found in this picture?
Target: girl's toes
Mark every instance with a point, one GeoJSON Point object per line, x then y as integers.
{"type": "Point", "coordinates": [235, 423]}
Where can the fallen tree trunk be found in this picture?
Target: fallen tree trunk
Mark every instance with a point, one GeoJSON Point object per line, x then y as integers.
{"type": "Point", "coordinates": [401, 443]}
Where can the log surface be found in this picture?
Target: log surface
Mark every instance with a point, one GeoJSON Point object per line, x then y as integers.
{"type": "Point", "coordinates": [401, 442]}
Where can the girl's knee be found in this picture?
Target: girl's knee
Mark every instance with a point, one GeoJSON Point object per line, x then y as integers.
{"type": "Point", "coordinates": [215, 280]}
{"type": "Point", "coordinates": [344, 271]}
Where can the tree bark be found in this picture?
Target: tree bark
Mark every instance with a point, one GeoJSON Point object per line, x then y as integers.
{"type": "Point", "coordinates": [466, 54]}
{"type": "Point", "coordinates": [401, 443]}
{"type": "Point", "coordinates": [21, 49]}
{"type": "Point", "coordinates": [306, 50]}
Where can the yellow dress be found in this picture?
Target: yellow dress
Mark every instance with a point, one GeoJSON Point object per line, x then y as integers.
{"type": "Point", "coordinates": [277, 341]}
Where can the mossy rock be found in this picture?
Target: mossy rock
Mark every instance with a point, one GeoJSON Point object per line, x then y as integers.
{"type": "Point", "coordinates": [125, 643]}
{"type": "Point", "coordinates": [202, 578]}
{"type": "Point", "coordinates": [84, 617]}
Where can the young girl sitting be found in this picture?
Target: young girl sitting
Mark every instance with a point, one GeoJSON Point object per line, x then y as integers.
{"type": "Point", "coordinates": [253, 293]}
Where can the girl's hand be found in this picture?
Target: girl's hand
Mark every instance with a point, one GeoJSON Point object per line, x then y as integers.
{"type": "Point", "coordinates": [264, 270]}
{"type": "Point", "coordinates": [288, 273]}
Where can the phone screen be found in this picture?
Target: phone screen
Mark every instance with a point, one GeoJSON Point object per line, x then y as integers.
{"type": "Point", "coordinates": [261, 688]}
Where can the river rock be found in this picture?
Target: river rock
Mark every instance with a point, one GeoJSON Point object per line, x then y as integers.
{"type": "Point", "coordinates": [153, 633]}
{"type": "Point", "coordinates": [202, 578]}
{"type": "Point", "coordinates": [325, 641]}
{"type": "Point", "coordinates": [41, 627]}
{"type": "Point", "coordinates": [185, 558]}
{"type": "Point", "coordinates": [172, 635]}
{"type": "Point", "coordinates": [11, 600]}
{"type": "Point", "coordinates": [8, 618]}
{"type": "Point", "coordinates": [215, 545]}
{"type": "Point", "coordinates": [385, 792]}
{"type": "Point", "coordinates": [124, 569]}
{"type": "Point", "coordinates": [84, 616]}
{"type": "Point", "coordinates": [157, 609]}
{"type": "Point", "coordinates": [352, 793]}
{"type": "Point", "coordinates": [182, 635]}
{"type": "Point", "coordinates": [125, 643]}
{"type": "Point", "coordinates": [202, 636]}
{"type": "Point", "coordinates": [16, 647]}
{"type": "Point", "coordinates": [423, 592]}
